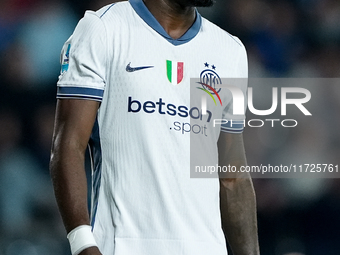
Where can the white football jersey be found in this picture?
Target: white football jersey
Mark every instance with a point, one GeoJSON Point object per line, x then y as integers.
{"type": "Point", "coordinates": [143, 200]}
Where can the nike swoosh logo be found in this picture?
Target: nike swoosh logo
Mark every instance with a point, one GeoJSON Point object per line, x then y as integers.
{"type": "Point", "coordinates": [133, 69]}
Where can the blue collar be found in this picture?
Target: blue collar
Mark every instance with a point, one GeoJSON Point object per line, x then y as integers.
{"type": "Point", "coordinates": [145, 14]}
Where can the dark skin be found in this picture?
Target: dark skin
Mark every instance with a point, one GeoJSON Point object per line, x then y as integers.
{"type": "Point", "coordinates": [237, 198]}
{"type": "Point", "coordinates": [72, 129]}
{"type": "Point", "coordinates": [73, 125]}
{"type": "Point", "coordinates": [175, 18]}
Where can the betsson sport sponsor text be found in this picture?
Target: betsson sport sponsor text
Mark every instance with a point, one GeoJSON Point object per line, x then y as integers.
{"type": "Point", "coordinates": [161, 107]}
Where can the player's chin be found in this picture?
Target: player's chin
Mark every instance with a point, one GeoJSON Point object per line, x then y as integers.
{"type": "Point", "coordinates": [202, 3]}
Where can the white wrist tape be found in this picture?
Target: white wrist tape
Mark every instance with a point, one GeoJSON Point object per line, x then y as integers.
{"type": "Point", "coordinates": [81, 238]}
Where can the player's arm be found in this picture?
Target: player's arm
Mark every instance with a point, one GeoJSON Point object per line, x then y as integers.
{"type": "Point", "coordinates": [238, 207]}
{"type": "Point", "coordinates": [73, 125]}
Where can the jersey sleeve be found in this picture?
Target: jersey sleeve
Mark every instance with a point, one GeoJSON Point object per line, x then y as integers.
{"type": "Point", "coordinates": [83, 61]}
{"type": "Point", "coordinates": [235, 123]}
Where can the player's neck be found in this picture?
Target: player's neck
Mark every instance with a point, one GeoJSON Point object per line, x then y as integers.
{"type": "Point", "coordinates": [175, 18]}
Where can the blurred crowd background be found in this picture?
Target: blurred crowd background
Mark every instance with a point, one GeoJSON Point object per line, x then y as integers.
{"type": "Point", "coordinates": [290, 38]}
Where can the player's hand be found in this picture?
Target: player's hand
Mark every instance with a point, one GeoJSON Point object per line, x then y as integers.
{"type": "Point", "coordinates": [91, 251]}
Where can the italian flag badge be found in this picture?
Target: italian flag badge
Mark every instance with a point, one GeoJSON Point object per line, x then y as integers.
{"type": "Point", "coordinates": [174, 71]}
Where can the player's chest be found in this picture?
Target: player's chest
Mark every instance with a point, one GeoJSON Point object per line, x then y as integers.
{"type": "Point", "coordinates": [160, 68]}
{"type": "Point", "coordinates": [146, 64]}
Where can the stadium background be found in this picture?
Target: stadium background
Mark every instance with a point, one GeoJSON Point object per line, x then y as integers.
{"type": "Point", "coordinates": [291, 38]}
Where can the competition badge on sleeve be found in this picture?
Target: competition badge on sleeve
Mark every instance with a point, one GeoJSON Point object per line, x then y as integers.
{"type": "Point", "coordinates": [65, 60]}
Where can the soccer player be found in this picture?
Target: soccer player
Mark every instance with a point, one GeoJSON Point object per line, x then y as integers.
{"type": "Point", "coordinates": [124, 91]}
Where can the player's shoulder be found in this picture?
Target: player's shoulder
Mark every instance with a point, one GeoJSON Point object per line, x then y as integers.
{"type": "Point", "coordinates": [109, 11]}
{"type": "Point", "coordinates": [107, 17]}
{"type": "Point", "coordinates": [219, 34]}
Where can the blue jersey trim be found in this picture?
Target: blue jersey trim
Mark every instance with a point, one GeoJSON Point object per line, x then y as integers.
{"type": "Point", "coordinates": [146, 15]}
{"type": "Point", "coordinates": [235, 126]}
{"type": "Point", "coordinates": [96, 158]}
{"type": "Point", "coordinates": [80, 92]}
{"type": "Point", "coordinates": [79, 97]}
{"type": "Point", "coordinates": [232, 37]}
{"type": "Point", "coordinates": [234, 131]}
{"type": "Point", "coordinates": [107, 10]}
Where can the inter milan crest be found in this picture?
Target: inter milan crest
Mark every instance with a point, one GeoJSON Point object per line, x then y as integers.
{"type": "Point", "coordinates": [174, 71]}
{"type": "Point", "coordinates": [208, 80]}
{"type": "Point", "coordinates": [210, 77]}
